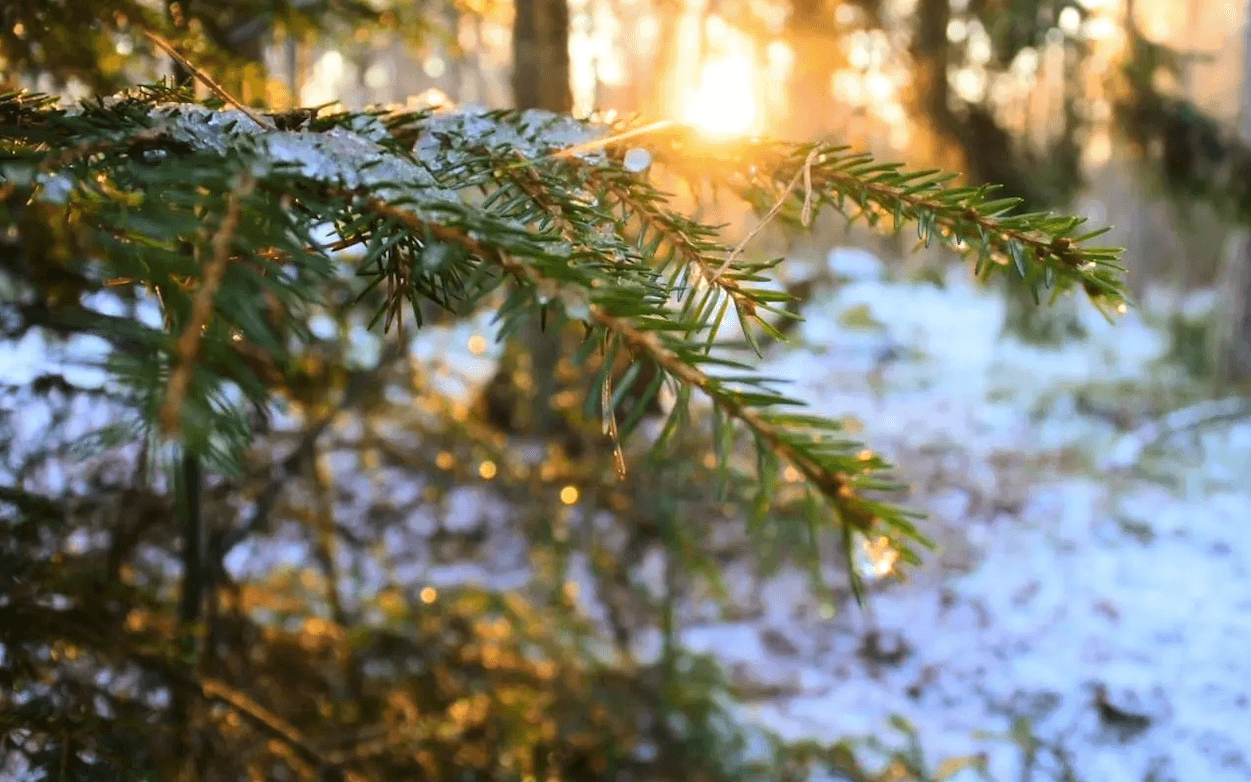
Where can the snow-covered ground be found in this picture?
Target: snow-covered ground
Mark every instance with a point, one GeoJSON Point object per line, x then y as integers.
{"type": "Point", "coordinates": [1086, 579]}
{"type": "Point", "coordinates": [1057, 576]}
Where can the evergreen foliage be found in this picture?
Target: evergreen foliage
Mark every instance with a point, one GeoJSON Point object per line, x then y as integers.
{"type": "Point", "coordinates": [238, 225]}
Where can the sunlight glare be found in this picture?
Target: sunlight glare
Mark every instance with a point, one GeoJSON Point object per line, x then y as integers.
{"type": "Point", "coordinates": [723, 103]}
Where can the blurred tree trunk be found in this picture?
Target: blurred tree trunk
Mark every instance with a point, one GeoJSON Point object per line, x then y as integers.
{"type": "Point", "coordinates": [519, 397]}
{"type": "Point", "coordinates": [816, 48]}
{"type": "Point", "coordinates": [541, 56]}
{"type": "Point", "coordinates": [242, 35]}
{"type": "Point", "coordinates": [1235, 353]}
{"type": "Point", "coordinates": [540, 81]}
{"type": "Point", "coordinates": [991, 156]}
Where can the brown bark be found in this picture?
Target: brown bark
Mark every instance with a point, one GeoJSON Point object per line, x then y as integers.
{"type": "Point", "coordinates": [540, 81]}
{"type": "Point", "coordinates": [816, 48]}
{"type": "Point", "coordinates": [1235, 360]}
{"type": "Point", "coordinates": [1236, 352]}
{"type": "Point", "coordinates": [991, 155]}
{"type": "Point", "coordinates": [541, 56]}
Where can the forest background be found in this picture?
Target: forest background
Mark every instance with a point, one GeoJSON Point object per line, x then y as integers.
{"type": "Point", "coordinates": [1129, 114]}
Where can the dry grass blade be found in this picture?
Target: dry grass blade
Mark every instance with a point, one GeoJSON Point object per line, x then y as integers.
{"type": "Point", "coordinates": [208, 81]}
{"type": "Point", "coordinates": [805, 173]}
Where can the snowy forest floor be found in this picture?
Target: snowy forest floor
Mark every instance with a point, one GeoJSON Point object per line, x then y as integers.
{"type": "Point", "coordinates": [1067, 563]}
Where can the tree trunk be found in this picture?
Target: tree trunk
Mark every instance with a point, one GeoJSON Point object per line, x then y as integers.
{"type": "Point", "coordinates": [991, 156]}
{"type": "Point", "coordinates": [1235, 352]}
{"type": "Point", "coordinates": [519, 397]}
{"type": "Point", "coordinates": [816, 51]}
{"type": "Point", "coordinates": [540, 81]}
{"type": "Point", "coordinates": [541, 56]}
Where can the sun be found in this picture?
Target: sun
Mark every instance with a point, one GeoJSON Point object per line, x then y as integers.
{"type": "Point", "coordinates": [723, 103]}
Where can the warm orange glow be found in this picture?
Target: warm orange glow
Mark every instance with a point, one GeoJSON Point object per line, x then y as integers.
{"type": "Point", "coordinates": [881, 555]}
{"type": "Point", "coordinates": [487, 470]}
{"type": "Point", "coordinates": [429, 595]}
{"type": "Point", "coordinates": [569, 495]}
{"type": "Point", "coordinates": [724, 103]}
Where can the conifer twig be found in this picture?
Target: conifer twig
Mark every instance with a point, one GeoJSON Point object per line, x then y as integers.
{"type": "Point", "coordinates": [587, 146]}
{"type": "Point", "coordinates": [82, 151]}
{"type": "Point", "coordinates": [835, 486]}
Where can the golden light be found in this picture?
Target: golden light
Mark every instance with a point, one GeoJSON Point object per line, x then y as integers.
{"type": "Point", "coordinates": [724, 102]}
{"type": "Point", "coordinates": [477, 344]}
{"type": "Point", "coordinates": [429, 595]}
{"type": "Point", "coordinates": [445, 460]}
{"type": "Point", "coordinates": [487, 470]}
{"type": "Point", "coordinates": [569, 495]}
{"type": "Point", "coordinates": [882, 556]}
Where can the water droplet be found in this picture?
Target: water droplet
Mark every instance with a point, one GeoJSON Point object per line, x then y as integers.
{"type": "Point", "coordinates": [637, 160]}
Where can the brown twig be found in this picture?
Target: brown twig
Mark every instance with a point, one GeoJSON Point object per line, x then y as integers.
{"type": "Point", "coordinates": [614, 139]}
{"type": "Point", "coordinates": [201, 310]}
{"type": "Point", "coordinates": [208, 81]}
{"type": "Point", "coordinates": [805, 173]}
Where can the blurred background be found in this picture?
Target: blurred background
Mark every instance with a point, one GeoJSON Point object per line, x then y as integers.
{"type": "Point", "coordinates": [1097, 106]}
{"type": "Point", "coordinates": [1088, 612]}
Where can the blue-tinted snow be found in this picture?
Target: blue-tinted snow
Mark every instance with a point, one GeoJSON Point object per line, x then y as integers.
{"type": "Point", "coordinates": [1058, 596]}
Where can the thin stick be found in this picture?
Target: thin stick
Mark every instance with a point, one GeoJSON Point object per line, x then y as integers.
{"type": "Point", "coordinates": [603, 142]}
{"type": "Point", "coordinates": [598, 143]}
{"type": "Point", "coordinates": [805, 217]}
{"type": "Point", "coordinates": [217, 89]}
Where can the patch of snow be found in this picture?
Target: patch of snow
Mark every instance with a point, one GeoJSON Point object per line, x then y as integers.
{"type": "Point", "coordinates": [323, 327]}
{"type": "Point", "coordinates": [364, 347]}
{"type": "Point", "coordinates": [637, 160]}
{"type": "Point", "coordinates": [853, 263]}
{"type": "Point", "coordinates": [1155, 607]}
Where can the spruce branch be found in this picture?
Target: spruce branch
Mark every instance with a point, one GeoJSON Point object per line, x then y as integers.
{"type": "Point", "coordinates": [797, 445]}
{"type": "Point", "coordinates": [81, 151]}
{"type": "Point", "coordinates": [579, 232]}
{"type": "Point", "coordinates": [1044, 247]}
{"type": "Point", "coordinates": [672, 229]}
